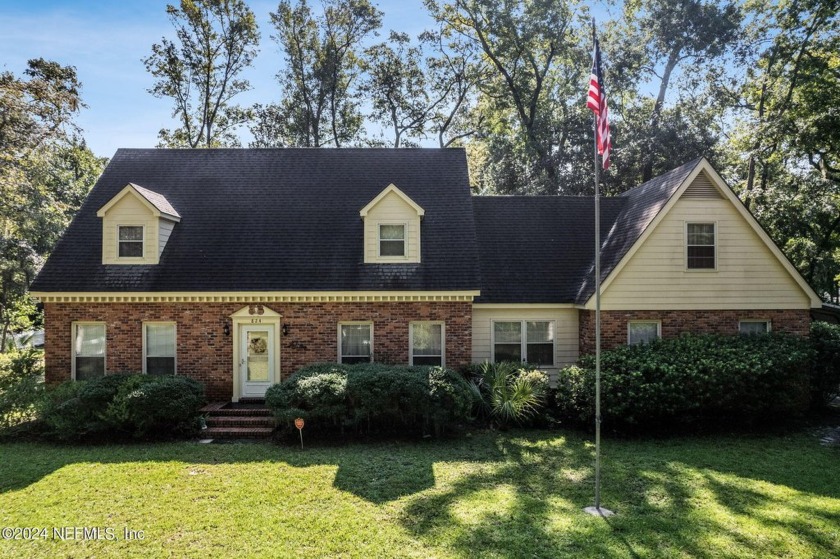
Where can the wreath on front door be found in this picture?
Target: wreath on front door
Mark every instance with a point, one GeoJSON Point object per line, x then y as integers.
{"type": "Point", "coordinates": [259, 346]}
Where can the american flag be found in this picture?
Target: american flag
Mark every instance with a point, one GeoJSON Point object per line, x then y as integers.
{"type": "Point", "coordinates": [597, 101]}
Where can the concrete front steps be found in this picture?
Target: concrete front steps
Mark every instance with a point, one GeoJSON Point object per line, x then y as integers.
{"type": "Point", "coordinates": [248, 419]}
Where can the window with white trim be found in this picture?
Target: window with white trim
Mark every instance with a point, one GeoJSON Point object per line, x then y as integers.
{"type": "Point", "coordinates": [426, 343]}
{"type": "Point", "coordinates": [88, 350]}
{"type": "Point", "coordinates": [355, 342]}
{"type": "Point", "coordinates": [643, 331]}
{"type": "Point", "coordinates": [391, 239]}
{"type": "Point", "coordinates": [130, 241]}
{"type": "Point", "coordinates": [159, 342]}
{"type": "Point", "coordinates": [700, 246]}
{"type": "Point", "coordinates": [753, 326]}
{"type": "Point", "coordinates": [531, 341]}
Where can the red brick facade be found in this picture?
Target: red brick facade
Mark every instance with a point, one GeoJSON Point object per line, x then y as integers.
{"type": "Point", "coordinates": [674, 323]}
{"type": "Point", "coordinates": [205, 353]}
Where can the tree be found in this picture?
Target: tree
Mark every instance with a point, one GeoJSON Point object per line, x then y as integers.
{"type": "Point", "coordinates": [656, 42]}
{"type": "Point", "coordinates": [520, 42]}
{"type": "Point", "coordinates": [789, 129]}
{"type": "Point", "coordinates": [318, 90]}
{"type": "Point", "coordinates": [216, 41]}
{"type": "Point", "coordinates": [396, 86]}
{"type": "Point", "coordinates": [454, 77]}
{"type": "Point", "coordinates": [45, 172]}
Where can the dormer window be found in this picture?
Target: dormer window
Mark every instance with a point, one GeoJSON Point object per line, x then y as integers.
{"type": "Point", "coordinates": [130, 241]}
{"type": "Point", "coordinates": [136, 225]}
{"type": "Point", "coordinates": [392, 240]}
{"type": "Point", "coordinates": [392, 224]}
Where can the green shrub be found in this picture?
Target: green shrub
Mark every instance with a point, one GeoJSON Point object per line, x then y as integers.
{"type": "Point", "coordinates": [825, 372]}
{"type": "Point", "coordinates": [65, 415]}
{"type": "Point", "coordinates": [371, 398]}
{"type": "Point", "coordinates": [122, 405]}
{"type": "Point", "coordinates": [21, 386]}
{"type": "Point", "coordinates": [508, 392]}
{"type": "Point", "coordinates": [157, 406]}
{"type": "Point", "coordinates": [692, 380]}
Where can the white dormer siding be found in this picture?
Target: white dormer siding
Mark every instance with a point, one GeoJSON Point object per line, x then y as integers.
{"type": "Point", "coordinates": [389, 218]}
{"type": "Point", "coordinates": [136, 208]}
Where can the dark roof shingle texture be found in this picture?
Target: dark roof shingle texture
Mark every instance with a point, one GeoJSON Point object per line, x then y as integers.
{"type": "Point", "coordinates": [276, 220]}
{"type": "Point", "coordinates": [541, 249]}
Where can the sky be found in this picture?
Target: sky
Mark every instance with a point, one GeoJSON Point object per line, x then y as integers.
{"type": "Point", "coordinates": [106, 40]}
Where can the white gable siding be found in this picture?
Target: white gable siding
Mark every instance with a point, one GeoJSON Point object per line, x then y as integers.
{"type": "Point", "coordinates": [392, 210]}
{"type": "Point", "coordinates": [130, 211]}
{"type": "Point", "coordinates": [565, 333]}
{"type": "Point", "coordinates": [748, 275]}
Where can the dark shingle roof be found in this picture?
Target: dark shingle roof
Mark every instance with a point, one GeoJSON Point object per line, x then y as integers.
{"type": "Point", "coordinates": [536, 249]}
{"type": "Point", "coordinates": [643, 204]}
{"type": "Point", "coordinates": [276, 219]}
{"type": "Point", "coordinates": [540, 249]}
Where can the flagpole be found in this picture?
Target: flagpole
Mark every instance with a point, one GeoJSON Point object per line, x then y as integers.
{"type": "Point", "coordinates": [597, 510]}
{"type": "Point", "coordinates": [597, 309]}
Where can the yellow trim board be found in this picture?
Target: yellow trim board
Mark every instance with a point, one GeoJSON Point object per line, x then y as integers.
{"type": "Point", "coordinates": [257, 297]}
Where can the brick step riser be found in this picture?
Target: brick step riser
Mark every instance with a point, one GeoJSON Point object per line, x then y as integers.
{"type": "Point", "coordinates": [240, 422]}
{"type": "Point", "coordinates": [237, 433]}
{"type": "Point", "coordinates": [244, 412]}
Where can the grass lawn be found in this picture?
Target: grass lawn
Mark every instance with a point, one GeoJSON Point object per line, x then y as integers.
{"type": "Point", "coordinates": [514, 494]}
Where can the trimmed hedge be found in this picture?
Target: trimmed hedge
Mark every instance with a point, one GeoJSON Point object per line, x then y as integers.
{"type": "Point", "coordinates": [371, 398]}
{"type": "Point", "coordinates": [692, 380]}
{"type": "Point", "coordinates": [123, 405]}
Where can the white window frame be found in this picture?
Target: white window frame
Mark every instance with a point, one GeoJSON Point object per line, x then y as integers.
{"type": "Point", "coordinates": [442, 340]}
{"type": "Point", "coordinates": [142, 241]}
{"type": "Point", "coordinates": [146, 345]}
{"type": "Point", "coordinates": [379, 240]}
{"type": "Point", "coordinates": [651, 321]}
{"type": "Point", "coordinates": [73, 327]}
{"type": "Point", "coordinates": [523, 351]}
{"type": "Point", "coordinates": [716, 246]}
{"type": "Point", "coordinates": [354, 323]}
{"type": "Point", "coordinates": [768, 322]}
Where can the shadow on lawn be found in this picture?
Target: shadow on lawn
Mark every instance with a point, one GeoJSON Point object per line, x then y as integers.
{"type": "Point", "coordinates": [699, 503]}
{"type": "Point", "coordinates": [521, 494]}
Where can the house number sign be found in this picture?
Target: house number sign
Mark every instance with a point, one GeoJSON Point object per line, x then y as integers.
{"type": "Point", "coordinates": [256, 321]}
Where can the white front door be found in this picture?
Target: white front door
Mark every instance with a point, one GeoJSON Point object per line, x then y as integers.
{"type": "Point", "coordinates": [256, 359]}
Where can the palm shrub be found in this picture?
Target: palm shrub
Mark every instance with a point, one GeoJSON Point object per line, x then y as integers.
{"type": "Point", "coordinates": [508, 392]}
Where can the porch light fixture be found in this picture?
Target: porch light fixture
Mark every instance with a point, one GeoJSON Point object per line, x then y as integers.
{"type": "Point", "coordinates": [285, 329]}
{"type": "Point", "coordinates": [226, 329]}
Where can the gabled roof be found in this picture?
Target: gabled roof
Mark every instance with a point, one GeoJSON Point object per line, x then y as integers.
{"type": "Point", "coordinates": [392, 188]}
{"type": "Point", "coordinates": [641, 206]}
{"type": "Point", "coordinates": [275, 220]}
{"type": "Point", "coordinates": [154, 201]}
{"type": "Point", "coordinates": [540, 249]}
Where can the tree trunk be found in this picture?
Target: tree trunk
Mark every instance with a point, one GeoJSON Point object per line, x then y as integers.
{"type": "Point", "coordinates": [647, 169]}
